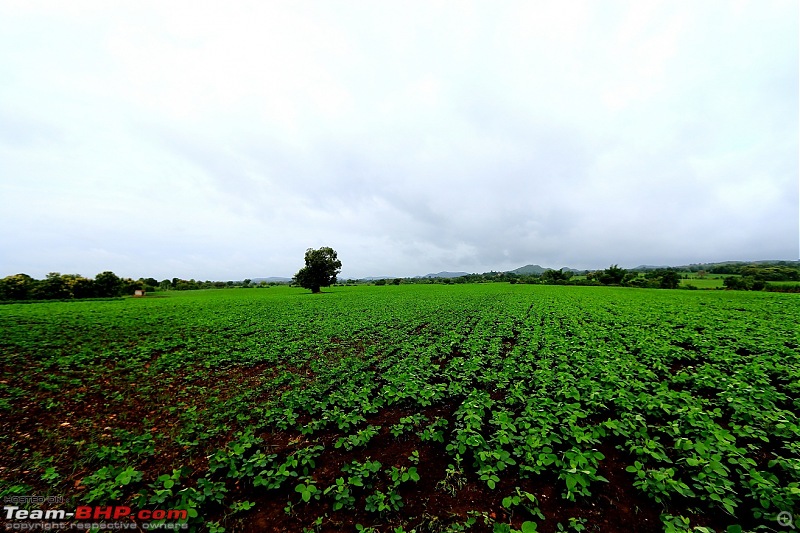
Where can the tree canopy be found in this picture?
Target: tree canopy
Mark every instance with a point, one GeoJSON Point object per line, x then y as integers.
{"type": "Point", "coordinates": [322, 267]}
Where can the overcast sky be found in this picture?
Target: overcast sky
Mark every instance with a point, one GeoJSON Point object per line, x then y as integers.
{"type": "Point", "coordinates": [219, 140]}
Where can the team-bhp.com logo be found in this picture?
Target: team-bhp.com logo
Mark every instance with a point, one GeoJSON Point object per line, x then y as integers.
{"type": "Point", "coordinates": [87, 517]}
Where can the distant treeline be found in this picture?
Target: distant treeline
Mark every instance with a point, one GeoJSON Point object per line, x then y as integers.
{"type": "Point", "coordinates": [743, 277]}
{"type": "Point", "coordinates": [58, 286]}
{"type": "Point", "coordinates": [178, 284]}
{"type": "Point", "coordinates": [754, 277]}
{"type": "Point", "coordinates": [772, 271]}
{"type": "Point", "coordinates": [613, 275]}
{"type": "Point", "coordinates": [65, 286]}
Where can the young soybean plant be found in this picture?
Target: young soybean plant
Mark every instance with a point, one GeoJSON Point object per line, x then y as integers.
{"type": "Point", "coordinates": [381, 502]}
{"type": "Point", "coordinates": [341, 494]}
{"type": "Point", "coordinates": [308, 490]}
{"type": "Point", "coordinates": [524, 499]}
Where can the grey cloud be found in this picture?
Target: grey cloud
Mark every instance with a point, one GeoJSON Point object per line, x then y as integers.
{"type": "Point", "coordinates": [503, 136]}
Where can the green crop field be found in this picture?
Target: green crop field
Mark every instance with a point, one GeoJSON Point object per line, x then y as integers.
{"type": "Point", "coordinates": [783, 283]}
{"type": "Point", "coordinates": [482, 407]}
{"type": "Point", "coordinates": [707, 283]}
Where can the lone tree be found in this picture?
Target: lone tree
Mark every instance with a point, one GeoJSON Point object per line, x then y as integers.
{"type": "Point", "coordinates": [321, 269]}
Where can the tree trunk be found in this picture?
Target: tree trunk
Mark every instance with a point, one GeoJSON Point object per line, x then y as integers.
{"type": "Point", "coordinates": [314, 290]}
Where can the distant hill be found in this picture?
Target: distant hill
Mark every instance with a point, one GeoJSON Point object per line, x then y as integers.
{"type": "Point", "coordinates": [708, 266]}
{"type": "Point", "coordinates": [761, 262]}
{"type": "Point", "coordinates": [537, 269]}
{"type": "Point", "coordinates": [445, 275]}
{"type": "Point", "coordinates": [643, 268]}
{"type": "Point", "coordinates": [529, 269]}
